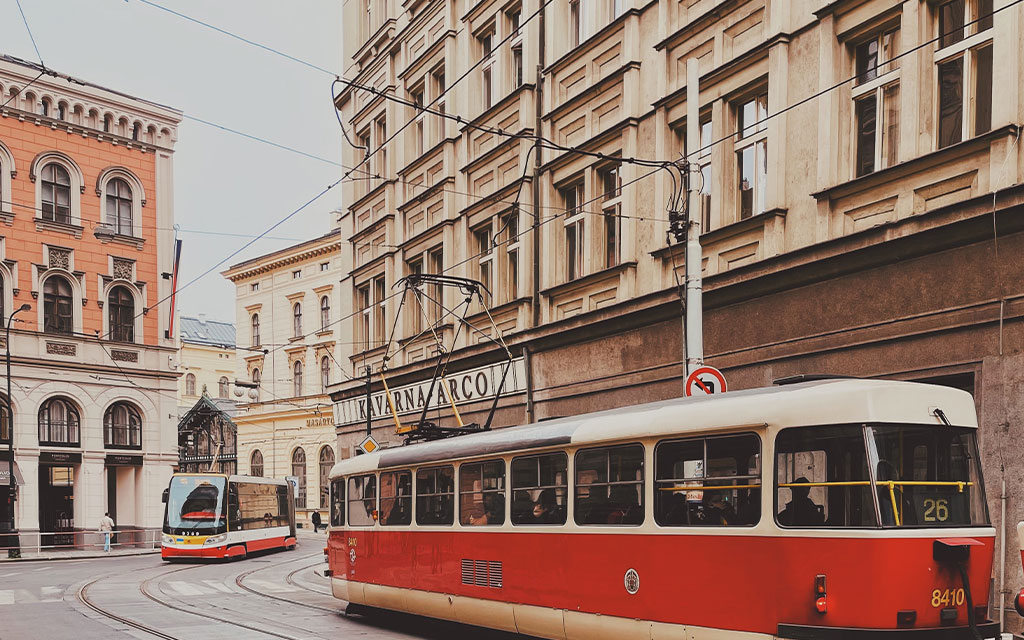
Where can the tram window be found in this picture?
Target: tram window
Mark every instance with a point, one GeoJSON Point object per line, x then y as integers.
{"type": "Point", "coordinates": [362, 500]}
{"type": "Point", "coordinates": [259, 506]}
{"type": "Point", "coordinates": [540, 489]}
{"type": "Point", "coordinates": [435, 496]}
{"type": "Point", "coordinates": [919, 471]}
{"type": "Point", "coordinates": [709, 482]}
{"type": "Point", "coordinates": [482, 493]}
{"type": "Point", "coordinates": [396, 498]}
{"type": "Point", "coordinates": [338, 503]}
{"type": "Point", "coordinates": [822, 458]}
{"type": "Point", "coordinates": [610, 486]}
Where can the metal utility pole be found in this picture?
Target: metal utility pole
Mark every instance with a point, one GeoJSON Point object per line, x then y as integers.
{"type": "Point", "coordinates": [693, 323]}
{"type": "Point", "coordinates": [15, 549]}
{"type": "Point", "coordinates": [369, 405]}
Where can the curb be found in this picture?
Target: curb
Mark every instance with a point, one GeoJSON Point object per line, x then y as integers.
{"type": "Point", "coordinates": [51, 558]}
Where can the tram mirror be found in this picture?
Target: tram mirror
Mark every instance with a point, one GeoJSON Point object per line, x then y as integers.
{"type": "Point", "coordinates": [163, 496]}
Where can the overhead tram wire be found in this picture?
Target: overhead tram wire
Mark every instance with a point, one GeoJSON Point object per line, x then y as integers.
{"type": "Point", "coordinates": [30, 36]}
{"type": "Point", "coordinates": [263, 140]}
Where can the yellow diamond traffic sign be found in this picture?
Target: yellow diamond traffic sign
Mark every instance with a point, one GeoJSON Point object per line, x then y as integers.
{"type": "Point", "coordinates": [369, 445]}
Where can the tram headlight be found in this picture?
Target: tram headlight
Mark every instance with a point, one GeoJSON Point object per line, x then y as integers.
{"type": "Point", "coordinates": [168, 539]}
{"type": "Point", "coordinates": [217, 539]}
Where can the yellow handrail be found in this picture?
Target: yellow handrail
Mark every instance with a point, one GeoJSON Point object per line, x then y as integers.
{"type": "Point", "coordinates": [711, 487]}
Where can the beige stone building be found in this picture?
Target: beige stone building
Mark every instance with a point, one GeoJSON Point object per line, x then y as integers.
{"type": "Point", "coordinates": [288, 337]}
{"type": "Point", "coordinates": [206, 360]}
{"type": "Point", "coordinates": [860, 180]}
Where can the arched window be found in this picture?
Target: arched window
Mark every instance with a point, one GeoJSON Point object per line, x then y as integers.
{"type": "Point", "coordinates": [255, 330]}
{"type": "Point", "coordinates": [122, 426]}
{"type": "Point", "coordinates": [256, 377]}
{"type": "Point", "coordinates": [325, 312]}
{"type": "Point", "coordinates": [326, 463]}
{"type": "Point", "coordinates": [119, 207]}
{"type": "Point", "coordinates": [56, 193]}
{"type": "Point", "coordinates": [121, 314]}
{"type": "Point", "coordinates": [58, 423]}
{"type": "Point", "coordinates": [299, 471]}
{"type": "Point", "coordinates": [297, 377]}
{"type": "Point", "coordinates": [190, 384]}
{"type": "Point", "coordinates": [325, 372]}
{"type": "Point", "coordinates": [58, 312]}
{"type": "Point", "coordinates": [256, 464]}
{"type": "Point", "coordinates": [5, 420]}
{"type": "Point", "coordinates": [136, 130]}
{"type": "Point", "coordinates": [297, 320]}
{"type": "Point", "coordinates": [44, 107]}
{"type": "Point", "coordinates": [222, 387]}
{"type": "Point", "coordinates": [108, 122]}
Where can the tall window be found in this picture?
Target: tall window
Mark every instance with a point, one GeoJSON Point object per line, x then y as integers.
{"type": "Point", "coordinates": [297, 377]}
{"type": "Point", "coordinates": [572, 197]}
{"type": "Point", "coordinates": [326, 463]}
{"type": "Point", "coordinates": [363, 318]}
{"type": "Point", "coordinates": [223, 387]}
{"type": "Point", "coordinates": [256, 376]}
{"type": "Point", "coordinates": [575, 24]}
{"type": "Point", "coordinates": [325, 312]}
{"type": "Point", "coordinates": [419, 120]}
{"type": "Point", "coordinates": [964, 70]}
{"type": "Point", "coordinates": [437, 79]}
{"type": "Point", "coordinates": [121, 314]}
{"type": "Point", "coordinates": [119, 206]}
{"type": "Point", "coordinates": [5, 420]}
{"type": "Point", "coordinates": [58, 315]}
{"type": "Point", "coordinates": [510, 222]}
{"type": "Point", "coordinates": [190, 384]}
{"type": "Point", "coordinates": [58, 423]}
{"type": "Point", "coordinates": [609, 179]}
{"type": "Point", "coordinates": [299, 471]}
{"type": "Point", "coordinates": [256, 330]}
{"type": "Point", "coordinates": [256, 464]}
{"type": "Point", "coordinates": [515, 16]}
{"type": "Point", "coordinates": [56, 193]}
{"type": "Point", "coordinates": [325, 373]}
{"type": "Point", "coordinates": [704, 162]}
{"type": "Point", "coordinates": [379, 311]}
{"type": "Point", "coordinates": [297, 320]}
{"type": "Point", "coordinates": [416, 314]}
{"type": "Point", "coordinates": [752, 154]}
{"type": "Point", "coordinates": [381, 157]}
{"type": "Point", "coordinates": [486, 68]}
{"type": "Point", "coordinates": [435, 264]}
{"type": "Point", "coordinates": [876, 102]}
{"type": "Point", "coordinates": [483, 248]}
{"type": "Point", "coordinates": [122, 426]}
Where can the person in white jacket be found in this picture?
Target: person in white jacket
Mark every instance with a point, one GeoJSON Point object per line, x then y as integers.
{"type": "Point", "coordinates": [106, 528]}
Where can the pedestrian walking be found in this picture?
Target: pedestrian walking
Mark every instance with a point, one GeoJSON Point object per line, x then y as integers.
{"type": "Point", "coordinates": [315, 518]}
{"type": "Point", "coordinates": [106, 528]}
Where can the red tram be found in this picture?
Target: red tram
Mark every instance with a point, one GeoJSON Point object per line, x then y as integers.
{"type": "Point", "coordinates": [823, 510]}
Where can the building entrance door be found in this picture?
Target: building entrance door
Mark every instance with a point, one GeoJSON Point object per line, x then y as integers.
{"type": "Point", "coordinates": [112, 492]}
{"type": "Point", "coordinates": [57, 505]}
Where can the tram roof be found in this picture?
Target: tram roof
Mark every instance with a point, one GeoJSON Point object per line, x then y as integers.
{"type": "Point", "coordinates": [836, 401]}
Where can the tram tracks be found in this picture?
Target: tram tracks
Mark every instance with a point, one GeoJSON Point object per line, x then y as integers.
{"type": "Point", "coordinates": [147, 589]}
{"type": "Point", "coordinates": [290, 579]}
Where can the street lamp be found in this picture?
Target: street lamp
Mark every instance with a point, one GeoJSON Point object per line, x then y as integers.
{"type": "Point", "coordinates": [15, 549]}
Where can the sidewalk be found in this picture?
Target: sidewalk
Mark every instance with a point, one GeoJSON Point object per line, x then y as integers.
{"type": "Point", "coordinates": [75, 554]}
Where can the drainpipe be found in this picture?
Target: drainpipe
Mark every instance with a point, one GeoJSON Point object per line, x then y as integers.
{"type": "Point", "coordinates": [1002, 553]}
{"type": "Point", "coordinates": [539, 109]}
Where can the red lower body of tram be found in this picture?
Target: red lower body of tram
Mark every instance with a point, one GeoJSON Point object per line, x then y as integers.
{"type": "Point", "coordinates": [546, 584]}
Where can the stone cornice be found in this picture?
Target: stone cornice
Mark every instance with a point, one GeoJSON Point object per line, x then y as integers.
{"type": "Point", "coordinates": [325, 244]}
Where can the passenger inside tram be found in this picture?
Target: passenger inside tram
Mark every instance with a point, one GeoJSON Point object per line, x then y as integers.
{"type": "Point", "coordinates": [801, 511]}
{"type": "Point", "coordinates": [717, 511]}
{"type": "Point", "coordinates": [545, 510]}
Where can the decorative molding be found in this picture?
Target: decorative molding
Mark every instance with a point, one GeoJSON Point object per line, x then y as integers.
{"type": "Point", "coordinates": [121, 355]}
{"type": "Point", "coordinates": [122, 269]}
{"type": "Point", "coordinates": [61, 348]}
{"type": "Point", "coordinates": [7, 218]}
{"type": "Point", "coordinates": [58, 258]}
{"type": "Point", "coordinates": [60, 227]}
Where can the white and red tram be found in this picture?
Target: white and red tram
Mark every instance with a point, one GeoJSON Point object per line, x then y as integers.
{"type": "Point", "coordinates": [209, 515]}
{"type": "Point", "coordinates": [651, 522]}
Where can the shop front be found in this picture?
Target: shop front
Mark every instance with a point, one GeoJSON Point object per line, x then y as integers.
{"type": "Point", "coordinates": [123, 488]}
{"type": "Point", "coordinates": [57, 470]}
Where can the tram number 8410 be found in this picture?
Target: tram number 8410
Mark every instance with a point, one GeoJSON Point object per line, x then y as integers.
{"type": "Point", "coordinates": [947, 598]}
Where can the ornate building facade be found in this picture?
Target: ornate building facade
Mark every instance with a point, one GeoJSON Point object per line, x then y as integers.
{"type": "Point", "coordinates": [86, 252]}
{"type": "Point", "coordinates": [859, 210]}
{"type": "Point", "coordinates": [288, 337]}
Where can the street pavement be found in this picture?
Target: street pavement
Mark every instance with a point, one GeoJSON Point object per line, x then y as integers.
{"type": "Point", "coordinates": [278, 595]}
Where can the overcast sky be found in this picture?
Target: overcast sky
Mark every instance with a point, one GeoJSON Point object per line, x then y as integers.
{"type": "Point", "coordinates": [224, 183]}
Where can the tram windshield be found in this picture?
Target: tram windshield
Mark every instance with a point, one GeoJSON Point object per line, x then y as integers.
{"type": "Point", "coordinates": [879, 475]}
{"type": "Point", "coordinates": [195, 504]}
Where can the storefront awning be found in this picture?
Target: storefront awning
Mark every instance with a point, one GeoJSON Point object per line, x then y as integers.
{"type": "Point", "coordinates": [5, 474]}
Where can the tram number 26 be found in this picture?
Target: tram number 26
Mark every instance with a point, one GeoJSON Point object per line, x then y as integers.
{"type": "Point", "coordinates": [947, 598]}
{"type": "Point", "coordinates": [936, 510]}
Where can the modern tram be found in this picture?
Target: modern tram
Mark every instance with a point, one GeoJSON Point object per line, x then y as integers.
{"type": "Point", "coordinates": [219, 516]}
{"type": "Point", "coordinates": [830, 509]}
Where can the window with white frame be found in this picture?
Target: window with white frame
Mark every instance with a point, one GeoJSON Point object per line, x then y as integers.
{"type": "Point", "coordinates": [414, 266]}
{"type": "Point", "coordinates": [419, 120]}
{"type": "Point", "coordinates": [56, 193]}
{"type": "Point", "coordinates": [325, 373]}
{"type": "Point", "coordinates": [438, 99]}
{"type": "Point", "coordinates": [514, 18]}
{"type": "Point", "coordinates": [876, 98]}
{"type": "Point", "coordinates": [297, 378]}
{"type": "Point", "coordinates": [575, 24]}
{"type": "Point", "coordinates": [609, 180]}
{"type": "Point", "coordinates": [364, 310]}
{"type": "Point", "coordinates": [325, 312]}
{"type": "Point", "coordinates": [255, 342]}
{"type": "Point", "coordinates": [485, 42]}
{"type": "Point", "coordinates": [435, 264]}
{"type": "Point", "coordinates": [483, 249]}
{"type": "Point", "coordinates": [379, 311]}
{"type": "Point", "coordinates": [752, 153]}
{"type": "Point", "coordinates": [297, 320]}
{"type": "Point", "coordinates": [381, 157]}
{"type": "Point", "coordinates": [510, 224]}
{"type": "Point", "coordinates": [575, 229]}
{"type": "Point", "coordinates": [119, 207]}
{"type": "Point", "coordinates": [963, 63]}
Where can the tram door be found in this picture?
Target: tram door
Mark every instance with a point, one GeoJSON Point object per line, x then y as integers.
{"type": "Point", "coordinates": [57, 504]}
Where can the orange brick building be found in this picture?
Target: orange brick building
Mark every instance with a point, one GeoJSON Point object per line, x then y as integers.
{"type": "Point", "coordinates": [86, 244]}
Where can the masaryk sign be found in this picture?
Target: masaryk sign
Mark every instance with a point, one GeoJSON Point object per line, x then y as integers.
{"type": "Point", "coordinates": [465, 386]}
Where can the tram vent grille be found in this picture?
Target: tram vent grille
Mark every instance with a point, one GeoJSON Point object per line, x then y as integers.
{"type": "Point", "coordinates": [482, 573]}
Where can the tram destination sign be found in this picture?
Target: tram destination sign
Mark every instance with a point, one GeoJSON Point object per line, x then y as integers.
{"type": "Point", "coordinates": [465, 386]}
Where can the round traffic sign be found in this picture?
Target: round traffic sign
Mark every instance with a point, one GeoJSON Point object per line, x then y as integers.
{"type": "Point", "coordinates": [705, 380]}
